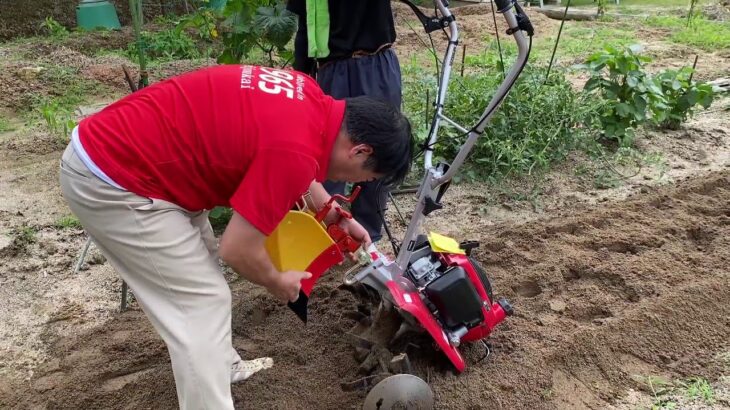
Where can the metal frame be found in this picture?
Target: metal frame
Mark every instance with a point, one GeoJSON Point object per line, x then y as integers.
{"type": "Point", "coordinates": [381, 270]}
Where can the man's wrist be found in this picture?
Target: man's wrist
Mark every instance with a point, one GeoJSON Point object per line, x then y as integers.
{"type": "Point", "coordinates": [271, 279]}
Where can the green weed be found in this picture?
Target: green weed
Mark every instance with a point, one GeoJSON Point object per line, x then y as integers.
{"type": "Point", "coordinates": [26, 235]}
{"type": "Point", "coordinates": [534, 127]}
{"type": "Point", "coordinates": [67, 88]}
{"type": "Point", "coordinates": [610, 169]}
{"type": "Point", "coordinates": [68, 222]}
{"type": "Point", "coordinates": [664, 404]}
{"type": "Point", "coordinates": [54, 29]}
{"type": "Point", "coordinates": [707, 35]}
{"type": "Point", "coordinates": [665, 392]}
{"type": "Point", "coordinates": [59, 120]}
{"type": "Point", "coordinates": [699, 388]}
{"type": "Point", "coordinates": [607, 179]}
{"type": "Point", "coordinates": [168, 44]}
{"type": "Point", "coordinates": [661, 390]}
{"type": "Point", "coordinates": [5, 125]}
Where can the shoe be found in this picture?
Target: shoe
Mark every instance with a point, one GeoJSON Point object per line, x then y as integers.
{"type": "Point", "coordinates": [244, 369]}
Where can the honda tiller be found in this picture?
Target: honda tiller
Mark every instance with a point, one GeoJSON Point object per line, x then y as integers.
{"type": "Point", "coordinates": [433, 282]}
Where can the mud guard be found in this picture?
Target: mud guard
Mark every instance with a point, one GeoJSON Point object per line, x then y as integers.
{"type": "Point", "coordinates": [301, 243]}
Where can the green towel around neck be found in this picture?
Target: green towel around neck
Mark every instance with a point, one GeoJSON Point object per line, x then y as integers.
{"type": "Point", "coordinates": [318, 28]}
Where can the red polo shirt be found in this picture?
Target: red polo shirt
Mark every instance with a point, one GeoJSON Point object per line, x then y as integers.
{"type": "Point", "coordinates": [252, 138]}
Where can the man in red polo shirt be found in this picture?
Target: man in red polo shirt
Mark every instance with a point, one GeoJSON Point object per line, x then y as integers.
{"type": "Point", "coordinates": [142, 174]}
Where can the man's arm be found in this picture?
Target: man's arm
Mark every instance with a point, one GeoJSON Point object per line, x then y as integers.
{"type": "Point", "coordinates": [319, 198]}
{"type": "Point", "coordinates": [242, 248]}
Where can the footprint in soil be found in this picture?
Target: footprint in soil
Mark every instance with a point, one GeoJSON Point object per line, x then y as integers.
{"type": "Point", "coordinates": [588, 314]}
{"type": "Point", "coordinates": [528, 289]}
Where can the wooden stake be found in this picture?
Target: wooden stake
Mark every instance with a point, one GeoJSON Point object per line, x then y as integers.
{"type": "Point", "coordinates": [463, 58]}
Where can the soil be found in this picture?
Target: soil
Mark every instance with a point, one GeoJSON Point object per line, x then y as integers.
{"type": "Point", "coordinates": [475, 22]}
{"type": "Point", "coordinates": [643, 282]}
{"type": "Point", "coordinates": [610, 286]}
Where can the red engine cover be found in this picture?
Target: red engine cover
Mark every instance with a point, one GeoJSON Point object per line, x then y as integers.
{"type": "Point", "coordinates": [493, 315]}
{"type": "Point", "coordinates": [410, 301]}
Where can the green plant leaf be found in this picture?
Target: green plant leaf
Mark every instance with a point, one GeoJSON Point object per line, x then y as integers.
{"type": "Point", "coordinates": [227, 57]}
{"type": "Point", "coordinates": [275, 24]}
{"type": "Point", "coordinates": [624, 109]}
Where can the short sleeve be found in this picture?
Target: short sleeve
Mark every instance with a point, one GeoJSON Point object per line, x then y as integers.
{"type": "Point", "coordinates": [273, 183]}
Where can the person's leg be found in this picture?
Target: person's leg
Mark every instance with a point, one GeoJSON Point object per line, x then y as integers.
{"type": "Point", "coordinates": [240, 369]}
{"type": "Point", "coordinates": [164, 258]}
{"type": "Point", "coordinates": [378, 77]}
{"type": "Point", "coordinates": [333, 79]}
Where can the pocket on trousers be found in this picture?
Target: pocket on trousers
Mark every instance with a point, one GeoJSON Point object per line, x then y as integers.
{"type": "Point", "coordinates": [66, 169]}
{"type": "Point", "coordinates": [154, 204]}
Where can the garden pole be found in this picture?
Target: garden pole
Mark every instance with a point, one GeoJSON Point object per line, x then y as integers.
{"type": "Point", "coordinates": [499, 44]}
{"type": "Point", "coordinates": [694, 67]}
{"type": "Point", "coordinates": [557, 40]}
{"type": "Point", "coordinates": [135, 7]}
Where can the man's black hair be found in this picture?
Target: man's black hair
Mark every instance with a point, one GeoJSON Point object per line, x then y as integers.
{"type": "Point", "coordinates": [383, 127]}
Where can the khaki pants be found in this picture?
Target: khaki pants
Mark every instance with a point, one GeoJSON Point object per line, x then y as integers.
{"type": "Point", "coordinates": [168, 256]}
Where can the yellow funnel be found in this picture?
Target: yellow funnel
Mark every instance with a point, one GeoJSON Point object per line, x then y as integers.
{"type": "Point", "coordinates": [297, 242]}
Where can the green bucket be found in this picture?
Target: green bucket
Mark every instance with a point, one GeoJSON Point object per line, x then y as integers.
{"type": "Point", "coordinates": [93, 14]}
{"type": "Point", "coordinates": [217, 4]}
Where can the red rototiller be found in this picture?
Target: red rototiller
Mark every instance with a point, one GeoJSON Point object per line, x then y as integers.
{"type": "Point", "coordinates": [433, 282]}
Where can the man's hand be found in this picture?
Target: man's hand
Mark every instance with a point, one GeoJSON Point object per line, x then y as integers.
{"type": "Point", "coordinates": [357, 232]}
{"type": "Point", "coordinates": [287, 285]}
{"type": "Point", "coordinates": [242, 247]}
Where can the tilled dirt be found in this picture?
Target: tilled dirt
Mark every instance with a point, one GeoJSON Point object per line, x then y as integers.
{"type": "Point", "coordinates": [609, 287]}
{"type": "Point", "coordinates": [637, 287]}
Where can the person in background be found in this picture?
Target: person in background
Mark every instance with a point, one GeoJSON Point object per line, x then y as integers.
{"type": "Point", "coordinates": [347, 46]}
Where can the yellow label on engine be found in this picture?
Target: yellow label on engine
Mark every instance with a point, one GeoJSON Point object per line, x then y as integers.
{"type": "Point", "coordinates": [444, 244]}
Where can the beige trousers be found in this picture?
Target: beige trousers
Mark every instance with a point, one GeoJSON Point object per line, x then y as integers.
{"type": "Point", "coordinates": [168, 256]}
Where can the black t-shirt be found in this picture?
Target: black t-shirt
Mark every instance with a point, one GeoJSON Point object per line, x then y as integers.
{"type": "Point", "coordinates": [354, 25]}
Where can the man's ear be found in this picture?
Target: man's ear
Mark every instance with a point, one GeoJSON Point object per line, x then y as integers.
{"type": "Point", "coordinates": [365, 149]}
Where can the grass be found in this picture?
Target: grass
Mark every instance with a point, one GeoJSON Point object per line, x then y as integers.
{"type": "Point", "coordinates": [624, 3]}
{"type": "Point", "coordinates": [63, 91]}
{"type": "Point", "coordinates": [705, 34]}
{"type": "Point", "coordinates": [667, 394]}
{"type": "Point", "coordinates": [25, 235]}
{"type": "Point", "coordinates": [580, 40]}
{"type": "Point", "coordinates": [68, 222]}
{"type": "Point", "coordinates": [577, 42]}
{"type": "Point", "coordinates": [5, 125]}
{"type": "Point", "coordinates": [699, 388]}
{"type": "Point", "coordinates": [68, 88]}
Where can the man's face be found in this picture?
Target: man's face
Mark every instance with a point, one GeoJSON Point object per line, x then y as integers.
{"type": "Point", "coordinates": [349, 165]}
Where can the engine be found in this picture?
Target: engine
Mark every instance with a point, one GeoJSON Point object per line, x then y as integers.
{"type": "Point", "coordinates": [446, 290]}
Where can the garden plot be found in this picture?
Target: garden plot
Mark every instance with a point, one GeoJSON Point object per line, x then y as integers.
{"type": "Point", "coordinates": [619, 279]}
